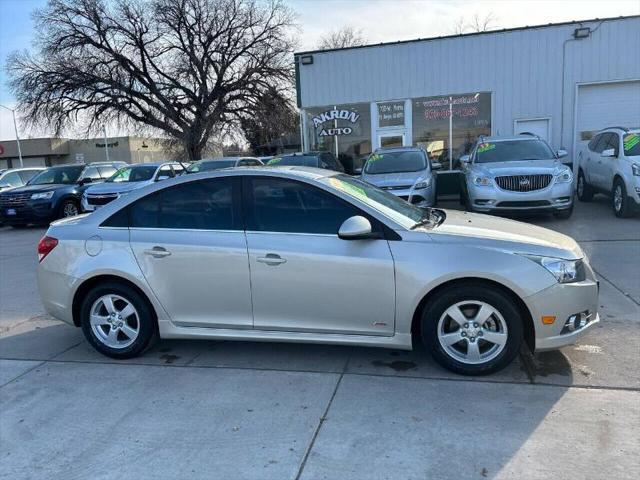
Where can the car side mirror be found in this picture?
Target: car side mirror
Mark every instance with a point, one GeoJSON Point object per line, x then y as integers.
{"type": "Point", "coordinates": [356, 228]}
{"type": "Point", "coordinates": [162, 177]}
{"type": "Point", "coordinates": [85, 180]}
{"type": "Point", "coordinates": [609, 152]}
{"type": "Point", "coordinates": [561, 153]}
{"type": "Point", "coordinates": [357, 171]}
{"type": "Point", "coordinates": [465, 159]}
{"type": "Point", "coordinates": [436, 166]}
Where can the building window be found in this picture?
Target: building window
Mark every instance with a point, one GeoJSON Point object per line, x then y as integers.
{"type": "Point", "coordinates": [391, 114]}
{"type": "Point", "coordinates": [344, 130]}
{"type": "Point", "coordinates": [450, 124]}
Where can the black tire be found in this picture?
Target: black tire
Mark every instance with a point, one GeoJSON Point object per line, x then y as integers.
{"type": "Point", "coordinates": [68, 204]}
{"type": "Point", "coordinates": [564, 214]}
{"type": "Point", "coordinates": [19, 226]}
{"type": "Point", "coordinates": [455, 294]}
{"type": "Point", "coordinates": [623, 209]}
{"type": "Point", "coordinates": [146, 316]}
{"type": "Point", "coordinates": [584, 190]}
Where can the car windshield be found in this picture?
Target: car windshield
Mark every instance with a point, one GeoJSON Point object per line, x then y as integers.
{"type": "Point", "coordinates": [513, 150]}
{"type": "Point", "coordinates": [63, 175]}
{"type": "Point", "coordinates": [208, 165]}
{"type": "Point", "coordinates": [395, 162]}
{"type": "Point", "coordinates": [133, 174]}
{"type": "Point", "coordinates": [295, 161]}
{"type": "Point", "coordinates": [391, 206]}
{"type": "Point", "coordinates": [631, 143]}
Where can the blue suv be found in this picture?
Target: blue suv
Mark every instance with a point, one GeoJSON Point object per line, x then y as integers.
{"type": "Point", "coordinates": [54, 193]}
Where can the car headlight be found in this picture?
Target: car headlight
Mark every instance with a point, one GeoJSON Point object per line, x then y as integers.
{"type": "Point", "coordinates": [565, 271]}
{"type": "Point", "coordinates": [482, 181]}
{"type": "Point", "coordinates": [635, 168]}
{"type": "Point", "coordinates": [564, 176]}
{"type": "Point", "coordinates": [42, 196]}
{"type": "Point", "coordinates": [423, 184]}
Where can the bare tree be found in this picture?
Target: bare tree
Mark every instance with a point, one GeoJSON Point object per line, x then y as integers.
{"type": "Point", "coordinates": [187, 68]}
{"type": "Point", "coordinates": [344, 37]}
{"type": "Point", "coordinates": [478, 23]}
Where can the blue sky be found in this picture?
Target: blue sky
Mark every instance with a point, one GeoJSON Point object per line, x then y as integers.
{"type": "Point", "coordinates": [379, 20]}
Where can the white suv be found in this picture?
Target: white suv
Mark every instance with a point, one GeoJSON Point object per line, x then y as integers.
{"type": "Point", "coordinates": [610, 164]}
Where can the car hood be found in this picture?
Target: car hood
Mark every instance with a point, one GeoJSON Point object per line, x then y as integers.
{"type": "Point", "coordinates": [395, 179]}
{"type": "Point", "coordinates": [40, 188]}
{"type": "Point", "coordinates": [113, 187]}
{"type": "Point", "coordinates": [519, 167]}
{"type": "Point", "coordinates": [504, 234]}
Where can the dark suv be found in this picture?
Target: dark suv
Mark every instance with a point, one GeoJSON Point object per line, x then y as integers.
{"type": "Point", "coordinates": [308, 159]}
{"type": "Point", "coordinates": [53, 193]}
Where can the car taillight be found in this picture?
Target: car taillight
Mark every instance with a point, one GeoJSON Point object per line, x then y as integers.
{"type": "Point", "coordinates": [45, 246]}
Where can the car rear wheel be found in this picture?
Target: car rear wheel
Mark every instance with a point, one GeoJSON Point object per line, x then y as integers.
{"type": "Point", "coordinates": [117, 321]}
{"type": "Point", "coordinates": [585, 192]}
{"type": "Point", "coordinates": [472, 329]}
{"type": "Point", "coordinates": [69, 208]}
{"type": "Point", "coordinates": [620, 201]}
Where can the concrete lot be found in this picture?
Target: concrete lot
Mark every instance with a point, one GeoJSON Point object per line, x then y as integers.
{"type": "Point", "coordinates": [278, 411]}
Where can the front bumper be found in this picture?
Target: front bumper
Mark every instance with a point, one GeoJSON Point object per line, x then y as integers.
{"type": "Point", "coordinates": [423, 197]}
{"type": "Point", "coordinates": [563, 301]}
{"type": "Point", "coordinates": [36, 211]}
{"type": "Point", "coordinates": [555, 197]}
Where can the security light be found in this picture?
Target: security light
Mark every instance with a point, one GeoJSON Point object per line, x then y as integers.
{"type": "Point", "coordinates": [306, 59]}
{"type": "Point", "coordinates": [583, 32]}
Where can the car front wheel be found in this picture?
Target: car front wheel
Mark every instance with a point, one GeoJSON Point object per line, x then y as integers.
{"type": "Point", "coordinates": [621, 204]}
{"type": "Point", "coordinates": [584, 190]}
{"type": "Point", "coordinates": [472, 329]}
{"type": "Point", "coordinates": [117, 321]}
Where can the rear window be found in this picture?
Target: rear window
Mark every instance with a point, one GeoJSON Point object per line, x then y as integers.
{"type": "Point", "coordinates": [395, 162]}
{"type": "Point", "coordinates": [295, 161]}
{"type": "Point", "coordinates": [206, 166]}
{"type": "Point", "coordinates": [513, 150]}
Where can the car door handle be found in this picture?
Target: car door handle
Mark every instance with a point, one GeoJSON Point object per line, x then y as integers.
{"type": "Point", "coordinates": [271, 259]}
{"type": "Point", "coordinates": [158, 252]}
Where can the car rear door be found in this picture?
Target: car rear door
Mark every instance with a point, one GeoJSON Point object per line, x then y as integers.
{"type": "Point", "coordinates": [304, 278]}
{"type": "Point", "coordinates": [190, 244]}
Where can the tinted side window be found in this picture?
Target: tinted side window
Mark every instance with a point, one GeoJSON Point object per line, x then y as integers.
{"type": "Point", "coordinates": [613, 142]}
{"type": "Point", "coordinates": [202, 205]}
{"type": "Point", "coordinates": [602, 142]}
{"type": "Point", "coordinates": [278, 205]}
{"type": "Point", "coordinates": [593, 142]}
{"type": "Point", "coordinates": [118, 219]}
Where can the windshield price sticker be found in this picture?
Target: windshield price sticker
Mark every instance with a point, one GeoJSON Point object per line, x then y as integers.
{"type": "Point", "coordinates": [274, 161]}
{"type": "Point", "coordinates": [349, 189]}
{"type": "Point", "coordinates": [630, 141]}
{"type": "Point", "coordinates": [375, 157]}
{"type": "Point", "coordinates": [485, 147]}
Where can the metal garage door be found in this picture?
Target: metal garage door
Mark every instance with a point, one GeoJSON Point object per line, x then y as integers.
{"type": "Point", "coordinates": [605, 105]}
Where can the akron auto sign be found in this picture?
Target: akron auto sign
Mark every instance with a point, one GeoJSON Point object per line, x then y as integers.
{"type": "Point", "coordinates": [331, 115]}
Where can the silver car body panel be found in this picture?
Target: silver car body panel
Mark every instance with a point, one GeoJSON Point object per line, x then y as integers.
{"type": "Point", "coordinates": [329, 290]}
{"type": "Point", "coordinates": [402, 184]}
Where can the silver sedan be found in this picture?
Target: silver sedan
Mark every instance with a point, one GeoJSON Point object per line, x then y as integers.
{"type": "Point", "coordinates": [294, 254]}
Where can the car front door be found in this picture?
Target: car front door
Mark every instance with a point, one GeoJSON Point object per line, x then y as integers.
{"type": "Point", "coordinates": [597, 161]}
{"type": "Point", "coordinates": [304, 278]}
{"type": "Point", "coordinates": [608, 165]}
{"type": "Point", "coordinates": [189, 242]}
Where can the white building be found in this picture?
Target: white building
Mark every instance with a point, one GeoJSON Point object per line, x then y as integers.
{"type": "Point", "coordinates": [560, 81]}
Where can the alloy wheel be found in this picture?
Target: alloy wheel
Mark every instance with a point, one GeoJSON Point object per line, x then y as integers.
{"type": "Point", "coordinates": [114, 321]}
{"type": "Point", "coordinates": [617, 198]}
{"type": "Point", "coordinates": [69, 210]}
{"type": "Point", "coordinates": [472, 332]}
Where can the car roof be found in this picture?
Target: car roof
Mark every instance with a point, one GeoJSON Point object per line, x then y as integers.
{"type": "Point", "coordinates": [507, 138]}
{"type": "Point", "coordinates": [399, 149]}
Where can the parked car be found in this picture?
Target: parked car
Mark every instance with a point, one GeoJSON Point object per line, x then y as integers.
{"type": "Point", "coordinates": [405, 172]}
{"type": "Point", "coordinates": [53, 193]}
{"type": "Point", "coordinates": [324, 160]}
{"type": "Point", "coordinates": [127, 179]}
{"type": "Point", "coordinates": [306, 255]}
{"type": "Point", "coordinates": [17, 177]}
{"type": "Point", "coordinates": [610, 164]}
{"type": "Point", "coordinates": [223, 162]}
{"type": "Point", "coordinates": [516, 174]}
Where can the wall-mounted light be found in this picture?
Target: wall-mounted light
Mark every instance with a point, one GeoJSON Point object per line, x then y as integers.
{"type": "Point", "coordinates": [306, 59]}
{"type": "Point", "coordinates": [582, 32]}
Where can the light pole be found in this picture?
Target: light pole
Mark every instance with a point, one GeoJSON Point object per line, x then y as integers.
{"type": "Point", "coordinates": [15, 127]}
